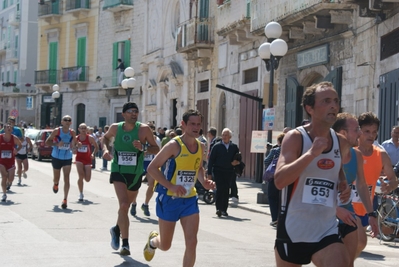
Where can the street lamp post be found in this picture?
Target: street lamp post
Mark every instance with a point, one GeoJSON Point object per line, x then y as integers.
{"type": "Point", "coordinates": [129, 83]}
{"type": "Point", "coordinates": [271, 52]}
{"type": "Point", "coordinates": [55, 96]}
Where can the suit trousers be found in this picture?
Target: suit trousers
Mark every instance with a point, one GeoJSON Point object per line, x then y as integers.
{"type": "Point", "coordinates": [223, 180]}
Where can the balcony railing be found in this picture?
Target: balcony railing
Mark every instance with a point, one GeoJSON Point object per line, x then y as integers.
{"type": "Point", "coordinates": [49, 8]}
{"type": "Point", "coordinates": [47, 76]}
{"type": "Point", "coordinates": [77, 4]}
{"type": "Point", "coordinates": [75, 74]}
{"type": "Point", "coordinates": [117, 5]}
{"type": "Point", "coordinates": [195, 33]}
{"type": "Point", "coordinates": [15, 19]}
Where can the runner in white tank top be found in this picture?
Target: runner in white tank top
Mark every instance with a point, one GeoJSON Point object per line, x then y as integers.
{"type": "Point", "coordinates": [309, 173]}
{"type": "Point", "coordinates": [22, 158]}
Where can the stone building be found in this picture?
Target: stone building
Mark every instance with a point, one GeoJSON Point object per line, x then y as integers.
{"type": "Point", "coordinates": [18, 38]}
{"type": "Point", "coordinates": [184, 52]}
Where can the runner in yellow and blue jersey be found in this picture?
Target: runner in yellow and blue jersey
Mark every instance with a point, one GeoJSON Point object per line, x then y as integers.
{"type": "Point", "coordinates": [177, 199]}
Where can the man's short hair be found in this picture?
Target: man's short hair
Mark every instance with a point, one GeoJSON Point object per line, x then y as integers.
{"type": "Point", "coordinates": [129, 105]}
{"type": "Point", "coordinates": [11, 118]}
{"type": "Point", "coordinates": [191, 112]}
{"type": "Point", "coordinates": [212, 131]}
{"type": "Point", "coordinates": [368, 118]}
{"type": "Point", "coordinates": [340, 123]}
{"type": "Point", "coordinates": [309, 96]}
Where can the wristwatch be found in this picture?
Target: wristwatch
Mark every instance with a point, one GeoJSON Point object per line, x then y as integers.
{"type": "Point", "coordinates": [372, 214]}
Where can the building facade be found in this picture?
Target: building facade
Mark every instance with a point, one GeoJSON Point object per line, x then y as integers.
{"type": "Point", "coordinates": [18, 43]}
{"type": "Point", "coordinates": [185, 52]}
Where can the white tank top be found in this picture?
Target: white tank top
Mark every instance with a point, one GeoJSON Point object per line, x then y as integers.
{"type": "Point", "coordinates": [311, 210]}
{"type": "Point", "coordinates": [22, 151]}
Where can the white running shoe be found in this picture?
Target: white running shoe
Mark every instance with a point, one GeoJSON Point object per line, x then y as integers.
{"type": "Point", "coordinates": [81, 197]}
{"type": "Point", "coordinates": [4, 198]}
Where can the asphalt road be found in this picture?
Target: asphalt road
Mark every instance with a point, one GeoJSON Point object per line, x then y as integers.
{"type": "Point", "coordinates": [35, 231]}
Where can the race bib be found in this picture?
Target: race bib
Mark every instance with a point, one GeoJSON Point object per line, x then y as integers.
{"type": "Point", "coordinates": [82, 149]}
{"type": "Point", "coordinates": [319, 191]}
{"type": "Point", "coordinates": [127, 158]}
{"type": "Point", "coordinates": [186, 179]}
{"type": "Point", "coordinates": [6, 154]}
{"type": "Point", "coordinates": [356, 197]}
{"type": "Point", "coordinates": [148, 157]}
{"type": "Point", "coordinates": [65, 146]}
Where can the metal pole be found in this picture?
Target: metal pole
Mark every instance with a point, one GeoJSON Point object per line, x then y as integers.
{"type": "Point", "coordinates": [129, 92]}
{"type": "Point", "coordinates": [271, 85]}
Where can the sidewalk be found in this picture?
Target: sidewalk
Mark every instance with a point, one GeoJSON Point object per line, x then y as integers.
{"type": "Point", "coordinates": [247, 191]}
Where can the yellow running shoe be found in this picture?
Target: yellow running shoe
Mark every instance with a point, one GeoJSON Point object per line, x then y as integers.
{"type": "Point", "coordinates": [148, 251]}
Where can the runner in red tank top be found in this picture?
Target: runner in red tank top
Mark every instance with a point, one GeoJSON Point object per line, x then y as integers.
{"type": "Point", "coordinates": [84, 156]}
{"type": "Point", "coordinates": [7, 158]}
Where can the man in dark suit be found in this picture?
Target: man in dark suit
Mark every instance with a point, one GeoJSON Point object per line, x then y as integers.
{"type": "Point", "coordinates": [221, 169]}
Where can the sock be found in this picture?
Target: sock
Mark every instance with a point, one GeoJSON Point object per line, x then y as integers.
{"type": "Point", "coordinates": [151, 244]}
{"type": "Point", "coordinates": [125, 242]}
{"type": "Point", "coordinates": [116, 229]}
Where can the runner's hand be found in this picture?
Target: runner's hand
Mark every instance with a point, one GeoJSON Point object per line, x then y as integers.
{"type": "Point", "coordinates": [318, 146]}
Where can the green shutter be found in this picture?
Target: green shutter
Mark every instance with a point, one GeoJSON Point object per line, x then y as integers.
{"type": "Point", "coordinates": [248, 9]}
{"type": "Point", "coordinates": [8, 76]}
{"type": "Point", "coordinates": [204, 9]}
{"type": "Point", "coordinates": [15, 76]}
{"type": "Point", "coordinates": [114, 64]}
{"type": "Point", "coordinates": [53, 53]}
{"type": "Point", "coordinates": [126, 59]}
{"type": "Point", "coordinates": [81, 57]}
{"type": "Point", "coordinates": [55, 7]}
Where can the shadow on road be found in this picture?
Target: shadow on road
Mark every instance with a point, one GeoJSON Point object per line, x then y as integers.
{"type": "Point", "coordinates": [371, 256]}
{"type": "Point", "coordinates": [129, 262]}
{"type": "Point", "coordinates": [57, 208]}
{"type": "Point", "coordinates": [145, 220]}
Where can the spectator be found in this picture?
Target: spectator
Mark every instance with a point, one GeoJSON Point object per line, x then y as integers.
{"type": "Point", "coordinates": [220, 169]}
{"type": "Point", "coordinates": [391, 146]}
{"type": "Point", "coordinates": [273, 193]}
{"type": "Point", "coordinates": [121, 67]}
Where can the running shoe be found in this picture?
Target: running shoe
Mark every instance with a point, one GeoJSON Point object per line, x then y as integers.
{"type": "Point", "coordinates": [144, 208]}
{"type": "Point", "coordinates": [114, 238]}
{"type": "Point", "coordinates": [55, 188]}
{"type": "Point", "coordinates": [133, 210]}
{"type": "Point", "coordinates": [8, 186]}
{"type": "Point", "coordinates": [125, 251]}
{"type": "Point", "coordinates": [4, 198]}
{"type": "Point", "coordinates": [81, 197]}
{"type": "Point", "coordinates": [64, 204]}
{"type": "Point", "coordinates": [24, 175]}
{"type": "Point", "coordinates": [148, 251]}
{"type": "Point", "coordinates": [19, 182]}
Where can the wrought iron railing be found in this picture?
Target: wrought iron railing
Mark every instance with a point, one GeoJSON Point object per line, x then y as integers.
{"type": "Point", "coordinates": [113, 3]}
{"type": "Point", "coordinates": [75, 74]}
{"type": "Point", "coordinates": [76, 4]}
{"type": "Point", "coordinates": [49, 8]}
{"type": "Point", "coordinates": [47, 76]}
{"type": "Point", "coordinates": [195, 31]}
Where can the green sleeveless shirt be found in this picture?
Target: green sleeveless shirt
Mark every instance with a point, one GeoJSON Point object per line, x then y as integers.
{"type": "Point", "coordinates": [127, 158]}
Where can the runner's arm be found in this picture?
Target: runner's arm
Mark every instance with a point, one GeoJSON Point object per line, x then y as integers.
{"type": "Point", "coordinates": [392, 183]}
{"type": "Point", "coordinates": [50, 139]}
{"type": "Point", "coordinates": [93, 143]}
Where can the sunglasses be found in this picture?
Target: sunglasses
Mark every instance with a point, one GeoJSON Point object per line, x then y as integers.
{"type": "Point", "coordinates": [67, 120]}
{"type": "Point", "coordinates": [83, 128]}
{"type": "Point", "coordinates": [132, 111]}
{"type": "Point", "coordinates": [8, 126]}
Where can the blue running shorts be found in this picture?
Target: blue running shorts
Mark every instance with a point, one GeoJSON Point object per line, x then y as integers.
{"type": "Point", "coordinates": [172, 209]}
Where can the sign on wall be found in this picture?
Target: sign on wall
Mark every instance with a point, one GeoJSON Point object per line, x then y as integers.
{"type": "Point", "coordinates": [313, 56]}
{"type": "Point", "coordinates": [29, 102]}
{"type": "Point", "coordinates": [268, 119]}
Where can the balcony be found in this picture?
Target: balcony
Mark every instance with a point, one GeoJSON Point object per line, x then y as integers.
{"type": "Point", "coordinates": [78, 8]}
{"type": "Point", "coordinates": [50, 11]}
{"type": "Point", "coordinates": [75, 77]}
{"type": "Point", "coordinates": [15, 19]}
{"type": "Point", "coordinates": [117, 5]}
{"type": "Point", "coordinates": [45, 79]}
{"type": "Point", "coordinates": [316, 18]}
{"type": "Point", "coordinates": [12, 55]}
{"type": "Point", "coordinates": [196, 36]}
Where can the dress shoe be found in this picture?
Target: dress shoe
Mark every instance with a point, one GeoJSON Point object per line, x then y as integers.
{"type": "Point", "coordinates": [225, 213]}
{"type": "Point", "coordinates": [219, 213]}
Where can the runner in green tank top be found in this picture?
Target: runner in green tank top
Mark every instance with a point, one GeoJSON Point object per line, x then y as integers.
{"type": "Point", "coordinates": [127, 166]}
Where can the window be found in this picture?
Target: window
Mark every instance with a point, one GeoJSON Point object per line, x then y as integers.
{"type": "Point", "coordinates": [203, 86]}
{"type": "Point", "coordinates": [120, 50]}
{"type": "Point", "coordinates": [250, 75]}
